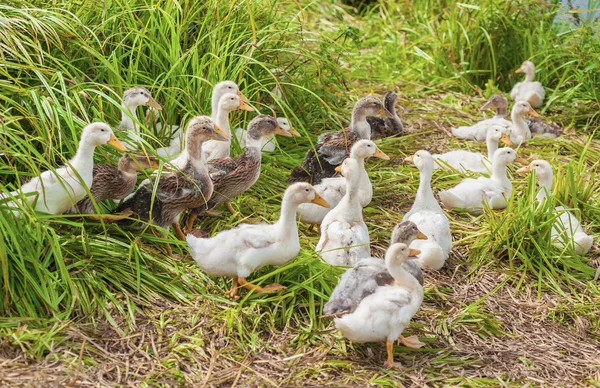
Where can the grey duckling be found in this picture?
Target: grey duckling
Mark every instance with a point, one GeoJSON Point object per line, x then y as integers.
{"type": "Point", "coordinates": [384, 126]}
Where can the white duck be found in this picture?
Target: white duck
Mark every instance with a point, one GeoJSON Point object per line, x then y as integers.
{"type": "Point", "coordinates": [528, 90]}
{"type": "Point", "coordinates": [236, 253]}
{"type": "Point", "coordinates": [344, 234]}
{"type": "Point", "coordinates": [383, 315]}
{"type": "Point", "coordinates": [471, 193]}
{"type": "Point", "coordinates": [478, 131]}
{"type": "Point", "coordinates": [566, 228]}
{"type": "Point", "coordinates": [56, 191]}
{"type": "Point", "coordinates": [463, 160]}
{"type": "Point", "coordinates": [268, 143]}
{"type": "Point", "coordinates": [429, 217]}
{"type": "Point", "coordinates": [519, 130]}
{"type": "Point", "coordinates": [132, 98]}
{"type": "Point", "coordinates": [334, 189]}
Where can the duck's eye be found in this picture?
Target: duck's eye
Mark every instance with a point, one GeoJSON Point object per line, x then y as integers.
{"type": "Point", "coordinates": [368, 145]}
{"type": "Point", "coordinates": [231, 98]}
{"type": "Point", "coordinates": [306, 190]}
{"type": "Point", "coordinates": [141, 92]}
{"type": "Point", "coordinates": [229, 87]}
{"type": "Point", "coordinates": [101, 129]}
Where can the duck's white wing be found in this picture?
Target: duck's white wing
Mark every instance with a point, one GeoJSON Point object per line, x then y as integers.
{"type": "Point", "coordinates": [516, 90]}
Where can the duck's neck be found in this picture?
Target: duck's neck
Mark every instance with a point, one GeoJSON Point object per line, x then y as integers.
{"type": "Point", "coordinates": [359, 124]}
{"type": "Point", "coordinates": [365, 186]}
{"type": "Point", "coordinates": [127, 121]}
{"type": "Point", "coordinates": [492, 146]}
{"type": "Point", "coordinates": [403, 278]}
{"type": "Point", "coordinates": [351, 200]}
{"type": "Point", "coordinates": [424, 197]}
{"type": "Point", "coordinates": [222, 121]}
{"type": "Point", "coordinates": [83, 161]}
{"type": "Point", "coordinates": [252, 142]}
{"type": "Point", "coordinates": [287, 220]}
{"type": "Point", "coordinates": [520, 130]}
{"type": "Point", "coordinates": [501, 112]}
{"type": "Point", "coordinates": [499, 174]}
{"type": "Point", "coordinates": [545, 183]}
{"type": "Point", "coordinates": [196, 157]}
{"type": "Point", "coordinates": [215, 107]}
{"type": "Point", "coordinates": [529, 76]}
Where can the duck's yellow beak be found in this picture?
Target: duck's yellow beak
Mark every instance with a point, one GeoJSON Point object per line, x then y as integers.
{"type": "Point", "coordinates": [282, 132]}
{"type": "Point", "coordinates": [524, 170]}
{"type": "Point", "coordinates": [114, 142]}
{"type": "Point", "coordinates": [295, 133]}
{"type": "Point", "coordinates": [384, 112]}
{"type": "Point", "coordinates": [421, 236]}
{"type": "Point", "coordinates": [338, 168]}
{"type": "Point", "coordinates": [246, 107]}
{"type": "Point", "coordinates": [318, 200]}
{"type": "Point", "coordinates": [381, 155]}
{"type": "Point", "coordinates": [533, 112]}
{"type": "Point", "coordinates": [153, 104]}
{"type": "Point", "coordinates": [506, 140]}
{"type": "Point", "coordinates": [519, 70]}
{"type": "Point", "coordinates": [413, 252]}
{"type": "Point", "coordinates": [409, 159]}
{"type": "Point", "coordinates": [219, 135]}
{"type": "Point", "coordinates": [242, 97]}
{"type": "Point", "coordinates": [521, 161]}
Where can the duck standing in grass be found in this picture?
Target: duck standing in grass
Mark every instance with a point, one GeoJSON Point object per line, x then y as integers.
{"type": "Point", "coordinates": [56, 191]}
{"type": "Point", "coordinates": [344, 234]}
{"type": "Point", "coordinates": [178, 191]}
{"type": "Point", "coordinates": [386, 126]}
{"type": "Point", "coordinates": [132, 98]}
{"type": "Point", "coordinates": [528, 90]}
{"type": "Point", "coordinates": [333, 147]}
{"type": "Point", "coordinates": [567, 229]}
{"type": "Point", "coordinates": [383, 315]}
{"type": "Point", "coordinates": [237, 253]}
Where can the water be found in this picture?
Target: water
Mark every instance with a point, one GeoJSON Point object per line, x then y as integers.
{"type": "Point", "coordinates": [591, 16]}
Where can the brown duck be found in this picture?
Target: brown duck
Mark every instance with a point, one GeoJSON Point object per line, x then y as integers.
{"type": "Point", "coordinates": [384, 126]}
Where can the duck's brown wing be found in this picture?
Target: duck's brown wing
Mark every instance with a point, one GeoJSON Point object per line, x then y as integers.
{"type": "Point", "coordinates": [539, 127]}
{"type": "Point", "coordinates": [384, 127]}
{"type": "Point", "coordinates": [225, 166]}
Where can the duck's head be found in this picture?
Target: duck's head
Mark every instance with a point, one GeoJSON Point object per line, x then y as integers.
{"type": "Point", "coordinates": [542, 169]}
{"type": "Point", "coordinates": [100, 133]}
{"type": "Point", "coordinates": [389, 101]}
{"type": "Point", "coordinates": [137, 161]}
{"type": "Point", "coordinates": [138, 96]}
{"type": "Point", "coordinates": [363, 149]}
{"type": "Point", "coordinates": [496, 133]}
{"type": "Point", "coordinates": [370, 106]}
{"type": "Point", "coordinates": [497, 101]}
{"type": "Point", "coordinates": [505, 156]}
{"type": "Point", "coordinates": [406, 232]}
{"type": "Point", "coordinates": [265, 125]}
{"type": "Point", "coordinates": [303, 192]}
{"type": "Point", "coordinates": [527, 67]}
{"type": "Point", "coordinates": [422, 159]}
{"type": "Point", "coordinates": [201, 129]}
{"type": "Point", "coordinates": [227, 87]}
{"type": "Point", "coordinates": [286, 126]}
{"type": "Point", "coordinates": [231, 101]}
{"type": "Point", "coordinates": [399, 253]}
{"type": "Point", "coordinates": [523, 109]}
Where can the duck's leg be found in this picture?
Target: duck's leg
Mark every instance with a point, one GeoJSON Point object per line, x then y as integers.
{"type": "Point", "coordinates": [230, 208]}
{"type": "Point", "coordinates": [178, 232]}
{"type": "Point", "coordinates": [389, 363]}
{"type": "Point", "coordinates": [233, 292]}
{"type": "Point", "coordinates": [270, 288]}
{"type": "Point", "coordinates": [111, 217]}
{"type": "Point", "coordinates": [411, 342]}
{"type": "Point", "coordinates": [190, 221]}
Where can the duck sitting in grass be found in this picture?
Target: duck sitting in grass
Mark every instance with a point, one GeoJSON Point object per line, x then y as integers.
{"type": "Point", "coordinates": [528, 90]}
{"type": "Point", "coordinates": [385, 126]}
{"type": "Point", "coordinates": [567, 229]}
{"type": "Point", "coordinates": [132, 98]}
{"type": "Point", "coordinates": [333, 147]}
{"type": "Point", "coordinates": [479, 131]}
{"type": "Point", "coordinates": [383, 315]}
{"type": "Point", "coordinates": [237, 253]}
{"type": "Point", "coordinates": [56, 191]}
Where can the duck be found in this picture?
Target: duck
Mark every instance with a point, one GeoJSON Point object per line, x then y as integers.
{"type": "Point", "coordinates": [333, 147]}
{"type": "Point", "coordinates": [463, 160]}
{"type": "Point", "coordinates": [344, 234]}
{"type": "Point", "coordinates": [383, 315]}
{"type": "Point", "coordinates": [537, 126]}
{"type": "Point", "coordinates": [471, 193]}
{"type": "Point", "coordinates": [56, 191]}
{"type": "Point", "coordinates": [132, 98]}
{"type": "Point", "coordinates": [161, 202]}
{"type": "Point", "coordinates": [479, 131]}
{"type": "Point", "coordinates": [116, 183]}
{"type": "Point", "coordinates": [334, 189]}
{"type": "Point", "coordinates": [528, 90]}
{"type": "Point", "coordinates": [367, 275]}
{"type": "Point", "coordinates": [238, 252]}
{"type": "Point", "coordinates": [429, 217]}
{"type": "Point", "coordinates": [519, 130]}
{"type": "Point", "coordinates": [268, 143]}
{"type": "Point", "coordinates": [567, 229]}
{"type": "Point", "coordinates": [383, 126]}
{"type": "Point", "coordinates": [234, 176]}
{"type": "Point", "coordinates": [228, 103]}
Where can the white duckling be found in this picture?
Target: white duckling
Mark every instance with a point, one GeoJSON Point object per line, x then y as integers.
{"type": "Point", "coordinates": [132, 98]}
{"type": "Point", "coordinates": [334, 189]}
{"type": "Point", "coordinates": [429, 217]}
{"type": "Point", "coordinates": [344, 234]}
{"type": "Point", "coordinates": [471, 193]}
{"type": "Point", "coordinates": [528, 90]}
{"type": "Point", "coordinates": [519, 130]}
{"type": "Point", "coordinates": [383, 315]}
{"type": "Point", "coordinates": [479, 131]}
{"type": "Point", "coordinates": [567, 228]}
{"type": "Point", "coordinates": [268, 143]}
{"type": "Point", "coordinates": [463, 160]}
{"type": "Point", "coordinates": [56, 191]}
{"type": "Point", "coordinates": [236, 253]}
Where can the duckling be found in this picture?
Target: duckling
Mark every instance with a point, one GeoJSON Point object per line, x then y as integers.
{"type": "Point", "coordinates": [471, 193]}
{"type": "Point", "coordinates": [132, 98]}
{"type": "Point", "coordinates": [344, 234]}
{"type": "Point", "coordinates": [115, 183]}
{"type": "Point", "coordinates": [429, 217]}
{"type": "Point", "coordinates": [463, 160]}
{"type": "Point", "coordinates": [383, 315]}
{"type": "Point", "coordinates": [479, 131]}
{"type": "Point", "coordinates": [334, 189]}
{"type": "Point", "coordinates": [385, 127]}
{"type": "Point", "coordinates": [56, 191]}
{"type": "Point", "coordinates": [332, 147]}
{"type": "Point", "coordinates": [233, 176]}
{"type": "Point", "coordinates": [367, 275]}
{"type": "Point", "coordinates": [567, 229]}
{"type": "Point", "coordinates": [519, 131]}
{"type": "Point", "coordinates": [236, 253]}
{"type": "Point", "coordinates": [175, 192]}
{"type": "Point", "coordinates": [268, 143]}
{"type": "Point", "coordinates": [528, 90]}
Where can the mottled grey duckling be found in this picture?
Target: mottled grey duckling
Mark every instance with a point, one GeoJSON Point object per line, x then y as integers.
{"type": "Point", "coordinates": [115, 183]}
{"type": "Point", "coordinates": [233, 176]}
{"type": "Point", "coordinates": [334, 147]}
{"type": "Point", "coordinates": [368, 274]}
{"type": "Point", "coordinates": [189, 188]}
{"type": "Point", "coordinates": [384, 126]}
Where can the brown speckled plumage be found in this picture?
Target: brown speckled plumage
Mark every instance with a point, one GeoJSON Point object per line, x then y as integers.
{"type": "Point", "coordinates": [383, 126]}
